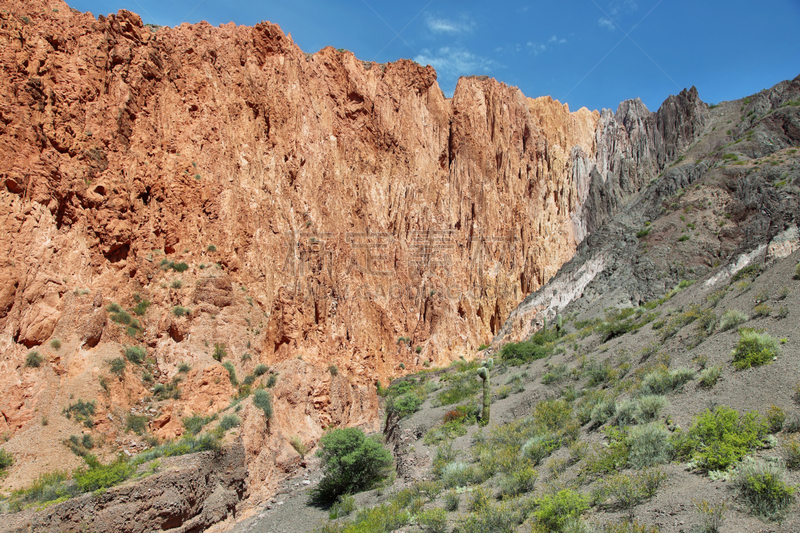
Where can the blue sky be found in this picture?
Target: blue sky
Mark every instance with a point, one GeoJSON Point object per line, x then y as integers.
{"type": "Point", "coordinates": [592, 53]}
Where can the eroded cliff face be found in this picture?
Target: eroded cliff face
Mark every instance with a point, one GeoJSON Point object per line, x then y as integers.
{"type": "Point", "coordinates": [329, 211]}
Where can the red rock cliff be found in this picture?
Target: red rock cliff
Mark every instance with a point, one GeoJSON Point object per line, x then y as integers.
{"type": "Point", "coordinates": [325, 208]}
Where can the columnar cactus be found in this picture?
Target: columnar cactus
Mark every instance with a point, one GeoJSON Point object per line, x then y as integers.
{"type": "Point", "coordinates": [559, 324]}
{"type": "Point", "coordinates": [483, 373]}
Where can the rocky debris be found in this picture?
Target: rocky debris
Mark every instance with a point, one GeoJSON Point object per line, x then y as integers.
{"type": "Point", "coordinates": [214, 291]}
{"type": "Point", "coordinates": [189, 493]}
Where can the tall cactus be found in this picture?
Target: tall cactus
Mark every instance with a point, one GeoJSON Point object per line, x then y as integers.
{"type": "Point", "coordinates": [559, 324]}
{"type": "Point", "coordinates": [483, 373]}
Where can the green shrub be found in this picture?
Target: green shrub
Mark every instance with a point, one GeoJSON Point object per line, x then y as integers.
{"type": "Point", "coordinates": [82, 411]}
{"type": "Point", "coordinates": [626, 413]}
{"type": "Point", "coordinates": [136, 423]}
{"type": "Point", "coordinates": [539, 447]}
{"type": "Point", "coordinates": [298, 445]}
{"type": "Point", "coordinates": [260, 370]}
{"type": "Point", "coordinates": [178, 267]}
{"type": "Point", "coordinates": [6, 460]}
{"type": "Point", "coordinates": [220, 351]}
{"type": "Point", "coordinates": [711, 516]}
{"type": "Point", "coordinates": [176, 284]}
{"type": "Point", "coordinates": [649, 407]}
{"type": "Point", "coordinates": [180, 311]}
{"type": "Point", "coordinates": [273, 378]}
{"type": "Point", "coordinates": [762, 486]}
{"type": "Point", "coordinates": [762, 310]}
{"type": "Point", "coordinates": [554, 510]}
{"type": "Point", "coordinates": [650, 445]}
{"type": "Point", "coordinates": [597, 372]}
{"type": "Point", "coordinates": [187, 444]}
{"type": "Point", "coordinates": [141, 307]}
{"type": "Point", "coordinates": [792, 451]}
{"type": "Point", "coordinates": [406, 404]}
{"type": "Point", "coordinates": [211, 248]}
{"type": "Point", "coordinates": [118, 315]}
{"type": "Point", "coordinates": [457, 474]}
{"type": "Point", "coordinates": [351, 462]}
{"type": "Point", "coordinates": [448, 430]}
{"type": "Point", "coordinates": [603, 411]}
{"type": "Point", "coordinates": [661, 380]}
{"type": "Point", "coordinates": [519, 481]}
{"type": "Point", "coordinates": [556, 374]}
{"type": "Point", "coordinates": [618, 322]}
{"type": "Point", "coordinates": [55, 344]}
{"type": "Point", "coordinates": [80, 446]}
{"type": "Point", "coordinates": [479, 500]}
{"type": "Point", "coordinates": [451, 500]}
{"type": "Point", "coordinates": [461, 386]}
{"type": "Point", "coordinates": [184, 367]}
{"type": "Point", "coordinates": [194, 424]}
{"type": "Point", "coordinates": [334, 371]}
{"type": "Point", "coordinates": [343, 506]}
{"type": "Point", "coordinates": [607, 458]}
{"type": "Point", "coordinates": [775, 418]}
{"type": "Point", "coordinates": [552, 415]}
{"type": "Point", "coordinates": [433, 520]}
{"type": "Point", "coordinates": [710, 376]}
{"type": "Point", "coordinates": [135, 354]}
{"type": "Point", "coordinates": [117, 366]}
{"type": "Point", "coordinates": [263, 401]}
{"type": "Point", "coordinates": [33, 360]}
{"type": "Point", "coordinates": [231, 373]}
{"type": "Point", "coordinates": [731, 318]}
{"type": "Point", "coordinates": [163, 391]}
{"type": "Point", "coordinates": [754, 349]}
{"type": "Point", "coordinates": [630, 490]}
{"type": "Point", "coordinates": [750, 271]}
{"type": "Point", "coordinates": [717, 439]}
{"type": "Point", "coordinates": [540, 345]}
{"type": "Point", "coordinates": [792, 424]}
{"type": "Point", "coordinates": [49, 487]}
{"type": "Point", "coordinates": [503, 392]}
{"type": "Point", "coordinates": [98, 476]}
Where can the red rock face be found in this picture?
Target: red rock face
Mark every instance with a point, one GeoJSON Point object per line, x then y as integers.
{"type": "Point", "coordinates": [325, 207]}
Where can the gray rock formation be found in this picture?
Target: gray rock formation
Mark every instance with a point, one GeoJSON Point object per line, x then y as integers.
{"type": "Point", "coordinates": [756, 205]}
{"type": "Point", "coordinates": [633, 146]}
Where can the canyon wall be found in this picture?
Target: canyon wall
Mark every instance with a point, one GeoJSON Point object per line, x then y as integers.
{"type": "Point", "coordinates": [340, 221]}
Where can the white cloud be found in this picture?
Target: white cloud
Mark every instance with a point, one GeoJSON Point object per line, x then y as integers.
{"type": "Point", "coordinates": [443, 25]}
{"type": "Point", "coordinates": [622, 7]}
{"type": "Point", "coordinates": [556, 40]}
{"type": "Point", "coordinates": [536, 48]}
{"type": "Point", "coordinates": [452, 61]}
{"type": "Point", "coordinates": [607, 23]}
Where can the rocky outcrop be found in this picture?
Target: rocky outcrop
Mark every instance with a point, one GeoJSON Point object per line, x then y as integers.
{"type": "Point", "coordinates": [190, 493]}
{"type": "Point", "coordinates": [633, 146]}
{"type": "Point", "coordinates": [744, 212]}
